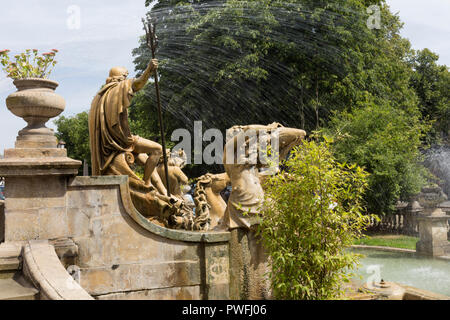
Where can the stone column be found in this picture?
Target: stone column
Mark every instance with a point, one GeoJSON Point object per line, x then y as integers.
{"type": "Point", "coordinates": [36, 171]}
{"type": "Point", "coordinates": [433, 234]}
{"type": "Point", "coordinates": [445, 206]}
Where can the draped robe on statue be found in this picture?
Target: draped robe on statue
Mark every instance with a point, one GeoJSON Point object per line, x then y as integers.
{"type": "Point", "coordinates": [108, 124]}
{"type": "Point", "coordinates": [112, 143]}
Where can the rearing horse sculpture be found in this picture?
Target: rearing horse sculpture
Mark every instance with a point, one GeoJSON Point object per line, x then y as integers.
{"type": "Point", "coordinates": [207, 196]}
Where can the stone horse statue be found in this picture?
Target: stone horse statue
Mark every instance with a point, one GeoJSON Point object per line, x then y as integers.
{"type": "Point", "coordinates": [207, 197]}
{"type": "Point", "coordinates": [177, 179]}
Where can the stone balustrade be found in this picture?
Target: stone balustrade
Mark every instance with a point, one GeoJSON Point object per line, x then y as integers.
{"type": "Point", "coordinates": [405, 220]}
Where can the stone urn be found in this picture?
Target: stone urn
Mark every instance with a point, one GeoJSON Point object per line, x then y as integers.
{"type": "Point", "coordinates": [36, 102]}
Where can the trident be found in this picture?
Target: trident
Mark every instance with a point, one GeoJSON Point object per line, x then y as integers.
{"type": "Point", "coordinates": [150, 34]}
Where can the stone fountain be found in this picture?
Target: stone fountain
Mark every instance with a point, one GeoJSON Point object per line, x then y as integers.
{"type": "Point", "coordinates": [117, 236]}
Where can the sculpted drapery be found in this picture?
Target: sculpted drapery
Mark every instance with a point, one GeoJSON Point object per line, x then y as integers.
{"type": "Point", "coordinates": [115, 151]}
{"type": "Point", "coordinates": [108, 124]}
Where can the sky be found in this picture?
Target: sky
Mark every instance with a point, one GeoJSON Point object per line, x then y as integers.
{"type": "Point", "coordinates": [93, 36]}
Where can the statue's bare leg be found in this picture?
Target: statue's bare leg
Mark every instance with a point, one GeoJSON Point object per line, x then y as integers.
{"type": "Point", "coordinates": [149, 153]}
{"type": "Point", "coordinates": [141, 159]}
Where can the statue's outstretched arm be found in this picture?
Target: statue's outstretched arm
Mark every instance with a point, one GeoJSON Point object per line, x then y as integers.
{"type": "Point", "coordinates": [140, 82]}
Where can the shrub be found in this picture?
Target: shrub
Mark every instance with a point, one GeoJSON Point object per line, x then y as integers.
{"type": "Point", "coordinates": [311, 214]}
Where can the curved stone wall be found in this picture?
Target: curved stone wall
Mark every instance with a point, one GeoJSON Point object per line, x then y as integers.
{"type": "Point", "coordinates": [122, 255]}
{"type": "Point", "coordinates": [42, 266]}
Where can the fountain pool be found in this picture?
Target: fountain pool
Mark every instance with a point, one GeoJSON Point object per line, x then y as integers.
{"type": "Point", "coordinates": [405, 268]}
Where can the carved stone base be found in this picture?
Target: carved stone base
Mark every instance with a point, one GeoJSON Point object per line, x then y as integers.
{"type": "Point", "coordinates": [249, 264]}
{"type": "Point", "coordinates": [26, 140]}
{"type": "Point", "coordinates": [433, 236]}
{"type": "Point", "coordinates": [35, 187]}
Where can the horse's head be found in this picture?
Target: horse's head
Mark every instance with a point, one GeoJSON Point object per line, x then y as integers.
{"type": "Point", "coordinates": [220, 182]}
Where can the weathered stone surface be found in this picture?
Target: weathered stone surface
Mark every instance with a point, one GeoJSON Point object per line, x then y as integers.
{"type": "Point", "coordinates": [176, 293]}
{"type": "Point", "coordinates": [16, 167]}
{"type": "Point", "coordinates": [34, 192]}
{"type": "Point", "coordinates": [43, 268]}
{"type": "Point", "coordinates": [52, 223]}
{"type": "Point", "coordinates": [17, 288]}
{"type": "Point", "coordinates": [433, 235]}
{"type": "Point", "coordinates": [118, 250]}
{"type": "Point", "coordinates": [141, 276]}
{"type": "Point", "coordinates": [66, 250]}
{"type": "Point", "coordinates": [21, 225]}
{"type": "Point", "coordinates": [248, 266]}
{"type": "Point", "coordinates": [217, 269]}
{"type": "Point", "coordinates": [10, 259]}
{"type": "Point", "coordinates": [78, 221]}
{"type": "Point", "coordinates": [118, 255]}
{"type": "Point", "coordinates": [35, 153]}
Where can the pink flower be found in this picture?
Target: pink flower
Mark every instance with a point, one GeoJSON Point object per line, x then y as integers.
{"type": "Point", "coordinates": [55, 50]}
{"type": "Point", "coordinates": [48, 54]}
{"type": "Point", "coordinates": [4, 51]}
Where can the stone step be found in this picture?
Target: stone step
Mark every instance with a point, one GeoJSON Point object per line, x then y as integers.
{"type": "Point", "coordinates": [10, 260]}
{"type": "Point", "coordinates": [17, 288]}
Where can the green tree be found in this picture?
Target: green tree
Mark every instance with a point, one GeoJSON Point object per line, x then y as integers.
{"type": "Point", "coordinates": [385, 141]}
{"type": "Point", "coordinates": [239, 62]}
{"type": "Point", "coordinates": [431, 83]}
{"type": "Point", "coordinates": [270, 60]}
{"type": "Point", "coordinates": [311, 214]}
{"type": "Point", "coordinates": [74, 131]}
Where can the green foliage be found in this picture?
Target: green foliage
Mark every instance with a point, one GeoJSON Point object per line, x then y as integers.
{"type": "Point", "coordinates": [432, 85]}
{"type": "Point", "coordinates": [385, 141]}
{"type": "Point", "coordinates": [74, 131]}
{"type": "Point", "coordinates": [311, 214]}
{"type": "Point", "coordinates": [143, 117]}
{"type": "Point", "coordinates": [275, 60]}
{"type": "Point", "coordinates": [304, 63]}
{"type": "Point", "coordinates": [28, 64]}
{"type": "Point", "coordinates": [295, 62]}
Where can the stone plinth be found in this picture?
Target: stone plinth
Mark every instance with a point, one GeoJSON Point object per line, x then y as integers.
{"type": "Point", "coordinates": [433, 235]}
{"type": "Point", "coordinates": [249, 265]}
{"type": "Point", "coordinates": [35, 180]}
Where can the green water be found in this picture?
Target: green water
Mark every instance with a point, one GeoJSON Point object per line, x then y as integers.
{"type": "Point", "coordinates": [409, 269]}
